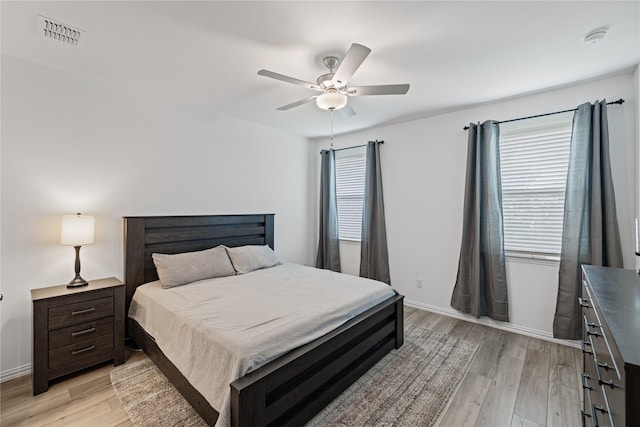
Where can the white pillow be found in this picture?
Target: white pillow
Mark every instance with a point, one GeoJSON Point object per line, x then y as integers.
{"type": "Point", "coordinates": [252, 257]}
{"type": "Point", "coordinates": [180, 269]}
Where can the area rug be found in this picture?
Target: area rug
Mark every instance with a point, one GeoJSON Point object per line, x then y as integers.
{"type": "Point", "coordinates": [408, 387]}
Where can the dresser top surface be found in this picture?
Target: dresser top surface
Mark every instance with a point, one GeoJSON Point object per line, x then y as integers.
{"type": "Point", "coordinates": [62, 290]}
{"type": "Point", "coordinates": [617, 292]}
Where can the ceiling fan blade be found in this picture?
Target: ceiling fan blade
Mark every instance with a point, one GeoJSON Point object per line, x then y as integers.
{"type": "Point", "coordinates": [347, 111]}
{"type": "Point", "coordinates": [297, 103]}
{"type": "Point", "coordinates": [288, 79]}
{"type": "Point", "coordinates": [354, 57]}
{"type": "Point", "coordinates": [378, 90]}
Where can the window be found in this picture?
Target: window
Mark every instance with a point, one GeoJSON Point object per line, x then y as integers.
{"type": "Point", "coordinates": [350, 170]}
{"type": "Point", "coordinates": [534, 164]}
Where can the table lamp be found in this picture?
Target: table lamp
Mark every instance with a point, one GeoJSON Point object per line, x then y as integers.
{"type": "Point", "coordinates": [77, 230]}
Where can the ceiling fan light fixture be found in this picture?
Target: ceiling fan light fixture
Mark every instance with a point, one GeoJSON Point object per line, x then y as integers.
{"type": "Point", "coordinates": [331, 100]}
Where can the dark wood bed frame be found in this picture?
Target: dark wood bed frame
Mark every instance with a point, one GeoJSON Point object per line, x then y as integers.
{"type": "Point", "coordinates": [291, 389]}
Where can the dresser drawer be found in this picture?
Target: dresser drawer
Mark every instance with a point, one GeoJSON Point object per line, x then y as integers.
{"type": "Point", "coordinates": [588, 306]}
{"type": "Point", "coordinates": [606, 367]}
{"type": "Point", "coordinates": [591, 321]}
{"type": "Point", "coordinates": [599, 409]}
{"type": "Point", "coordinates": [585, 414]}
{"type": "Point", "coordinates": [79, 333]}
{"type": "Point", "coordinates": [615, 397]}
{"type": "Point", "coordinates": [72, 314]}
{"type": "Point", "coordinates": [73, 357]}
{"type": "Point", "coordinates": [600, 417]}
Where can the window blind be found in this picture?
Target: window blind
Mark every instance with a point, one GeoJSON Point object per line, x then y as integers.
{"type": "Point", "coordinates": [350, 170]}
{"type": "Point", "coordinates": [534, 165]}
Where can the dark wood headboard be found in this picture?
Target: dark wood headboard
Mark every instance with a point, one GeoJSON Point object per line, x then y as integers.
{"type": "Point", "coordinates": [145, 235]}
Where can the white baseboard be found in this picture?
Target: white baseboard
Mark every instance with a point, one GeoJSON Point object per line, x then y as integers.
{"type": "Point", "coordinates": [12, 374]}
{"type": "Point", "coordinates": [522, 330]}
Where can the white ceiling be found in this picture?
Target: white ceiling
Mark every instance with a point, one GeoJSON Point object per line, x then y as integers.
{"type": "Point", "coordinates": [205, 55]}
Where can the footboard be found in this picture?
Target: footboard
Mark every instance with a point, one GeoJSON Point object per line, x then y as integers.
{"type": "Point", "coordinates": [296, 386]}
{"type": "Point", "coordinates": [193, 396]}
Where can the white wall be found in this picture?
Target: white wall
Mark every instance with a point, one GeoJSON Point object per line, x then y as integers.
{"type": "Point", "coordinates": [423, 164]}
{"type": "Point", "coordinates": [72, 144]}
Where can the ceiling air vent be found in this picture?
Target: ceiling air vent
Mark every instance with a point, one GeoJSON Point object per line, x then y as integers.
{"type": "Point", "coordinates": [58, 31]}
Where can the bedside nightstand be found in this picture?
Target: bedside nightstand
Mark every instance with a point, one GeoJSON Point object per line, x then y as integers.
{"type": "Point", "coordinates": [75, 328]}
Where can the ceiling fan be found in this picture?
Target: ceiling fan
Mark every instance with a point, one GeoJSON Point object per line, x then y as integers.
{"type": "Point", "coordinates": [334, 85]}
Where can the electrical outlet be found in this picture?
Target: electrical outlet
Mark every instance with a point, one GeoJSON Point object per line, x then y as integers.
{"type": "Point", "coordinates": [418, 283]}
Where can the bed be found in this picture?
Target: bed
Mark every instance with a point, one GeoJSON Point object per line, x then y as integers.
{"type": "Point", "coordinates": [291, 389]}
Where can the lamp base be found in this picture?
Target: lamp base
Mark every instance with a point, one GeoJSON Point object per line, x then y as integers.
{"type": "Point", "coordinates": [77, 282]}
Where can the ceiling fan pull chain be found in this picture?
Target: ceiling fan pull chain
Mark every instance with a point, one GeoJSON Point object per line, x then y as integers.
{"type": "Point", "coordinates": [331, 133]}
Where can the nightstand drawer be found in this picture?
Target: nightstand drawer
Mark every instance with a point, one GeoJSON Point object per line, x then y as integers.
{"type": "Point", "coordinates": [79, 333]}
{"type": "Point", "coordinates": [80, 312]}
{"type": "Point", "coordinates": [73, 357]}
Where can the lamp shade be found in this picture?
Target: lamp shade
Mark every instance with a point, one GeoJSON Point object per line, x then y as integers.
{"type": "Point", "coordinates": [77, 230]}
{"type": "Point", "coordinates": [331, 100]}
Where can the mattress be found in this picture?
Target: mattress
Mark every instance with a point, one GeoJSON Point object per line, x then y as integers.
{"type": "Point", "coordinates": [217, 330]}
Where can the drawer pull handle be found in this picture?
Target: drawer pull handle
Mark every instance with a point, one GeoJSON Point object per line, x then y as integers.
{"type": "Point", "coordinates": [600, 380]}
{"type": "Point", "coordinates": [85, 311]}
{"type": "Point", "coordinates": [600, 408]}
{"type": "Point", "coordinates": [594, 325]}
{"type": "Point", "coordinates": [82, 350]}
{"type": "Point", "coordinates": [583, 344]}
{"type": "Point", "coordinates": [584, 303]}
{"type": "Point", "coordinates": [585, 381]}
{"type": "Point", "coordinates": [604, 365]}
{"type": "Point", "coordinates": [587, 327]}
{"type": "Point", "coordinates": [86, 331]}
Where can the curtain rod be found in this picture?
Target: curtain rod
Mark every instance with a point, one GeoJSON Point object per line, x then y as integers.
{"type": "Point", "coordinates": [355, 146]}
{"type": "Point", "coordinates": [619, 102]}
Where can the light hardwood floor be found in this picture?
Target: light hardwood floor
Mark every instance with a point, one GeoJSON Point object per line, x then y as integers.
{"type": "Point", "coordinates": [513, 381]}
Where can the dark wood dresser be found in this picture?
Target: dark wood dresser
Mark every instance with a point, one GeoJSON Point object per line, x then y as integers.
{"type": "Point", "coordinates": [75, 328]}
{"type": "Point", "coordinates": [611, 347]}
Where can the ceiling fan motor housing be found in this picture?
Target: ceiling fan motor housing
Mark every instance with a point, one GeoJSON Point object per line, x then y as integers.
{"type": "Point", "coordinates": [325, 81]}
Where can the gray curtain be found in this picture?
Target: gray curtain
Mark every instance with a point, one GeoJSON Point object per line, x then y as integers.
{"type": "Point", "coordinates": [481, 284]}
{"type": "Point", "coordinates": [374, 257]}
{"type": "Point", "coordinates": [590, 232]}
{"type": "Point", "coordinates": [328, 243]}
